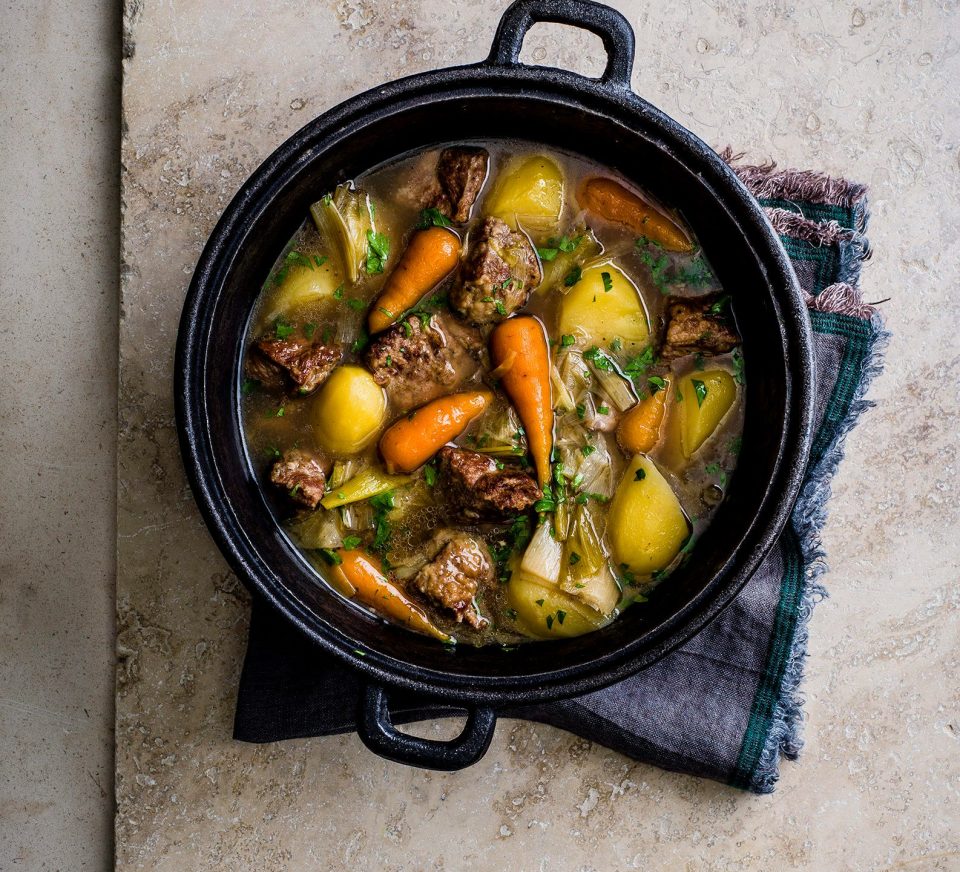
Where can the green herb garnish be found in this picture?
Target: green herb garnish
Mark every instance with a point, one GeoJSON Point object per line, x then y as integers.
{"type": "Point", "coordinates": [607, 282]}
{"type": "Point", "coordinates": [331, 556]}
{"type": "Point", "coordinates": [573, 276]}
{"type": "Point", "coordinates": [351, 542]}
{"type": "Point", "coordinates": [432, 217]}
{"type": "Point", "coordinates": [639, 475]}
{"type": "Point", "coordinates": [378, 250]}
{"type": "Point", "coordinates": [700, 389]}
{"type": "Point", "coordinates": [567, 340]}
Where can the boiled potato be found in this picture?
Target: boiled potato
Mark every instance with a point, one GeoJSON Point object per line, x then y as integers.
{"type": "Point", "coordinates": [598, 316]}
{"type": "Point", "coordinates": [530, 195]}
{"type": "Point", "coordinates": [546, 612]}
{"type": "Point", "coordinates": [646, 525]}
{"type": "Point", "coordinates": [706, 398]}
{"type": "Point", "coordinates": [300, 287]}
{"type": "Point", "coordinates": [349, 411]}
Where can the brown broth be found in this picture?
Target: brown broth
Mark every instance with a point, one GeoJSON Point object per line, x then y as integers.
{"type": "Point", "coordinates": [698, 484]}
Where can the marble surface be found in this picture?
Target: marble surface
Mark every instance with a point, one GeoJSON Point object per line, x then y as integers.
{"type": "Point", "coordinates": [867, 90]}
{"type": "Point", "coordinates": [59, 231]}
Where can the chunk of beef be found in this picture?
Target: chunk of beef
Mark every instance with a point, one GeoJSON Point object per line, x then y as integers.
{"type": "Point", "coordinates": [418, 362]}
{"type": "Point", "coordinates": [301, 475]}
{"type": "Point", "coordinates": [461, 565]}
{"type": "Point", "coordinates": [500, 271]}
{"type": "Point", "coordinates": [481, 491]}
{"type": "Point", "coordinates": [697, 324]}
{"type": "Point", "coordinates": [302, 363]}
{"type": "Point", "coordinates": [461, 173]}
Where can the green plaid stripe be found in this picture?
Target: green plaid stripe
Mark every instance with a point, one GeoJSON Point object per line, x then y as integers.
{"type": "Point", "coordinates": [849, 217]}
{"type": "Point", "coordinates": [781, 641]}
{"type": "Point", "coordinates": [860, 336]}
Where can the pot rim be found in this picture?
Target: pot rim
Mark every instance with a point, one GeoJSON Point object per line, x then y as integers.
{"type": "Point", "coordinates": [618, 104]}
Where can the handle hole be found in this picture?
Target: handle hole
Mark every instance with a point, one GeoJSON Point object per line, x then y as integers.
{"type": "Point", "coordinates": [439, 730]}
{"type": "Point", "coordinates": [559, 45]}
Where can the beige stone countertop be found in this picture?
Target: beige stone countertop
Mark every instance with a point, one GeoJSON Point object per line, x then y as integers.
{"type": "Point", "coordinates": [869, 90]}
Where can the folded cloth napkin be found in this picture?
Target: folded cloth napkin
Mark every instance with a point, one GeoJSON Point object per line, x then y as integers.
{"type": "Point", "coordinates": [727, 704]}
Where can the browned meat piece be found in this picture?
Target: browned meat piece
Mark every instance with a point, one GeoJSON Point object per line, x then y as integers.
{"type": "Point", "coordinates": [301, 475]}
{"type": "Point", "coordinates": [461, 566]}
{"type": "Point", "coordinates": [417, 363]}
{"type": "Point", "coordinates": [305, 364]}
{"type": "Point", "coordinates": [482, 491]}
{"type": "Point", "coordinates": [697, 324]}
{"type": "Point", "coordinates": [500, 271]}
{"type": "Point", "coordinates": [258, 368]}
{"type": "Point", "coordinates": [461, 173]}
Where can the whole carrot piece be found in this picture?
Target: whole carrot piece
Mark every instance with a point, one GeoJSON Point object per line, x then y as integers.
{"type": "Point", "coordinates": [610, 200]}
{"type": "Point", "coordinates": [415, 438]}
{"type": "Point", "coordinates": [639, 429]}
{"type": "Point", "coordinates": [428, 259]}
{"type": "Point", "coordinates": [363, 573]}
{"type": "Point", "coordinates": [527, 383]}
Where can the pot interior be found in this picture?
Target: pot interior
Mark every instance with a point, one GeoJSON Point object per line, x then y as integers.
{"type": "Point", "coordinates": [640, 155]}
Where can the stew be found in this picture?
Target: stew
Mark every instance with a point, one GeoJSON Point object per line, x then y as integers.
{"type": "Point", "coordinates": [494, 391]}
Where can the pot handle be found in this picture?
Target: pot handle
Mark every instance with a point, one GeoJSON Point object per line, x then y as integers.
{"type": "Point", "coordinates": [612, 27]}
{"type": "Point", "coordinates": [377, 732]}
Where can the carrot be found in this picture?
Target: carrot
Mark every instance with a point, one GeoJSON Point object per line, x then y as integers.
{"type": "Point", "coordinates": [614, 202]}
{"type": "Point", "coordinates": [639, 429]}
{"type": "Point", "coordinates": [415, 438]}
{"type": "Point", "coordinates": [527, 383]}
{"type": "Point", "coordinates": [363, 574]}
{"type": "Point", "coordinates": [429, 258]}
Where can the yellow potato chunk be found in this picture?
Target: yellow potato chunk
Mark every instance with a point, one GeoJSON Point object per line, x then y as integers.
{"type": "Point", "coordinates": [646, 525]}
{"type": "Point", "coordinates": [546, 612]}
{"type": "Point", "coordinates": [530, 195]}
{"type": "Point", "coordinates": [605, 305]}
{"type": "Point", "coordinates": [707, 397]}
{"type": "Point", "coordinates": [300, 287]}
{"type": "Point", "coordinates": [349, 411]}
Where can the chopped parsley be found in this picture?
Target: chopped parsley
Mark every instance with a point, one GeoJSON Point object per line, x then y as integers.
{"type": "Point", "coordinates": [603, 410]}
{"type": "Point", "coordinates": [338, 293]}
{"type": "Point", "coordinates": [598, 359]}
{"type": "Point", "coordinates": [351, 542]}
{"type": "Point", "coordinates": [640, 475]}
{"type": "Point", "coordinates": [378, 250]}
{"type": "Point", "coordinates": [309, 329]}
{"type": "Point", "coordinates": [561, 614]}
{"type": "Point", "coordinates": [320, 261]}
{"type": "Point", "coordinates": [299, 259]}
{"type": "Point", "coordinates": [432, 217]}
{"type": "Point", "coordinates": [539, 602]}
{"type": "Point", "coordinates": [567, 340]}
{"type": "Point", "coordinates": [360, 342]}
{"type": "Point", "coordinates": [501, 309]}
{"type": "Point", "coordinates": [382, 505]}
{"type": "Point", "coordinates": [548, 254]}
{"type": "Point", "coordinates": [607, 282]}
{"type": "Point", "coordinates": [430, 474]}
{"type": "Point", "coordinates": [573, 276]}
{"type": "Point", "coordinates": [721, 304]}
{"type": "Point", "coordinates": [549, 621]}
{"type": "Point", "coordinates": [587, 450]}
{"type": "Point", "coordinates": [616, 345]}
{"type": "Point", "coordinates": [574, 558]}
{"type": "Point", "coordinates": [282, 329]}
{"type": "Point", "coordinates": [656, 383]}
{"type": "Point", "coordinates": [581, 411]}
{"type": "Point", "coordinates": [331, 556]}
{"type": "Point", "coordinates": [700, 389]}
{"type": "Point", "coordinates": [357, 305]}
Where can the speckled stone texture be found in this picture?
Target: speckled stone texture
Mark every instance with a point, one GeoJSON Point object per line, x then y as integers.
{"type": "Point", "coordinates": [869, 91]}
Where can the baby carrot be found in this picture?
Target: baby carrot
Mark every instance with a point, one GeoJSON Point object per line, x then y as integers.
{"type": "Point", "coordinates": [639, 429]}
{"type": "Point", "coordinates": [527, 383]}
{"type": "Point", "coordinates": [612, 201]}
{"type": "Point", "coordinates": [415, 438]}
{"type": "Point", "coordinates": [363, 572]}
{"type": "Point", "coordinates": [429, 258]}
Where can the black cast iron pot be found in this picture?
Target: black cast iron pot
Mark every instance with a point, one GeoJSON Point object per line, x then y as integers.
{"type": "Point", "coordinates": [605, 121]}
